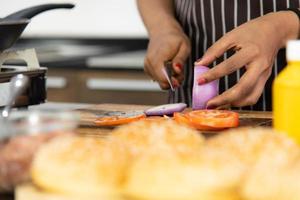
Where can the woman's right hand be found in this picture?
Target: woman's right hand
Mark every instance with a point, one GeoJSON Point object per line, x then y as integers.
{"type": "Point", "coordinates": [167, 45]}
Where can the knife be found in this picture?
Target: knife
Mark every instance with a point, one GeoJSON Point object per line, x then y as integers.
{"type": "Point", "coordinates": [168, 71]}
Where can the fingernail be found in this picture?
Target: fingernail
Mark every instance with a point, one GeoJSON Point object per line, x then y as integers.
{"type": "Point", "coordinates": [197, 61]}
{"type": "Point", "coordinates": [201, 81]}
{"type": "Point", "coordinates": [178, 65]}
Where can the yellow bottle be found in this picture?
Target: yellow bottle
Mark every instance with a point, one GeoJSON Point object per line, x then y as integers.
{"type": "Point", "coordinates": [286, 94]}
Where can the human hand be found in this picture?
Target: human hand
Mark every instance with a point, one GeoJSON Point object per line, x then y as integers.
{"type": "Point", "coordinates": [256, 44]}
{"type": "Point", "coordinates": [167, 45]}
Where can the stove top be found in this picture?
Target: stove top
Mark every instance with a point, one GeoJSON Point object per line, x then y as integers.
{"type": "Point", "coordinates": [36, 91]}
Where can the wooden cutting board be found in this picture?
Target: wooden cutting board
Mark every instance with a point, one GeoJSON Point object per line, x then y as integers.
{"type": "Point", "coordinates": [90, 114]}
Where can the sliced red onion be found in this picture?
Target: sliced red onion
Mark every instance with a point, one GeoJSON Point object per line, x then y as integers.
{"type": "Point", "coordinates": [203, 93]}
{"type": "Point", "coordinates": [166, 109]}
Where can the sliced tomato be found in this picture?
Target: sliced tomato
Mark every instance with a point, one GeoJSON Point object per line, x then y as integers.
{"type": "Point", "coordinates": [117, 120]}
{"type": "Point", "coordinates": [182, 118]}
{"type": "Point", "coordinates": [214, 118]}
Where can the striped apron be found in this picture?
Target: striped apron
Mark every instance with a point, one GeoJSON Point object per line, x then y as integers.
{"type": "Point", "coordinates": [205, 21]}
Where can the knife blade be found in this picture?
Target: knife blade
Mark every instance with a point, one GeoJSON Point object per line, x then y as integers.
{"type": "Point", "coordinates": [168, 71]}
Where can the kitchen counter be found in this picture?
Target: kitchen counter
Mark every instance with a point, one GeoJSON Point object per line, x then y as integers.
{"type": "Point", "coordinates": [88, 113]}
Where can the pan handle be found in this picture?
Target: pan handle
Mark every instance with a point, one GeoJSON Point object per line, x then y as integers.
{"type": "Point", "coordinates": [32, 11]}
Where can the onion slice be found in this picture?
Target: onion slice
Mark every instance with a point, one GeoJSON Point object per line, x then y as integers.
{"type": "Point", "coordinates": [203, 93]}
{"type": "Point", "coordinates": [166, 109]}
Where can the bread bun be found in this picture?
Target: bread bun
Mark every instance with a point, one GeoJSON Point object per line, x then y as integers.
{"type": "Point", "coordinates": [275, 175]}
{"type": "Point", "coordinates": [29, 191]}
{"type": "Point", "coordinates": [169, 176]}
{"type": "Point", "coordinates": [80, 166]}
{"type": "Point", "coordinates": [266, 155]}
{"type": "Point", "coordinates": [166, 135]}
{"type": "Point", "coordinates": [248, 144]}
{"type": "Point", "coordinates": [162, 160]}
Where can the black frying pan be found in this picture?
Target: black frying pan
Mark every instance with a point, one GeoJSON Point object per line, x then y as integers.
{"type": "Point", "coordinates": [12, 26]}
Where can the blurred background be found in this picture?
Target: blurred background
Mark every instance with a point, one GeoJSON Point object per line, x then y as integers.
{"type": "Point", "coordinates": [94, 53]}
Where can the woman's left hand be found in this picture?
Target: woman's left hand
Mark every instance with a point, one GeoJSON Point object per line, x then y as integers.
{"type": "Point", "coordinates": [256, 44]}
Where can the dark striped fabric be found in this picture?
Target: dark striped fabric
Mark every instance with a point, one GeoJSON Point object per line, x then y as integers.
{"type": "Point", "coordinates": [205, 21]}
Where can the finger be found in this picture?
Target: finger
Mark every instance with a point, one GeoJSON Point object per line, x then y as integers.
{"type": "Point", "coordinates": [254, 96]}
{"type": "Point", "coordinates": [216, 50]}
{"type": "Point", "coordinates": [224, 107]}
{"type": "Point", "coordinates": [240, 90]}
{"type": "Point", "coordinates": [180, 57]}
{"type": "Point", "coordinates": [147, 69]}
{"type": "Point", "coordinates": [228, 66]}
{"type": "Point", "coordinates": [163, 85]}
{"type": "Point", "coordinates": [158, 62]}
{"type": "Point", "coordinates": [155, 62]}
{"type": "Point", "coordinates": [175, 82]}
{"type": "Point", "coordinates": [179, 77]}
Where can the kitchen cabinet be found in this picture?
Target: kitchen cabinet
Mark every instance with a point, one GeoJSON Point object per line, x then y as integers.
{"type": "Point", "coordinates": [61, 85]}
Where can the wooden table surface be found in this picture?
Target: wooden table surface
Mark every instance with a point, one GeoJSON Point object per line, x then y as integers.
{"type": "Point", "coordinates": [89, 115]}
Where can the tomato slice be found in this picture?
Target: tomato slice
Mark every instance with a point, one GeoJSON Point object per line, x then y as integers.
{"type": "Point", "coordinates": [214, 118]}
{"type": "Point", "coordinates": [182, 118]}
{"type": "Point", "coordinates": [118, 120]}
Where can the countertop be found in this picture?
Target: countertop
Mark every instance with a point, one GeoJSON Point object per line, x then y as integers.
{"type": "Point", "coordinates": [88, 113]}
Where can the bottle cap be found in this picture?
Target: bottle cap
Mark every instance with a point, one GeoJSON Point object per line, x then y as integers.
{"type": "Point", "coordinates": [293, 50]}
